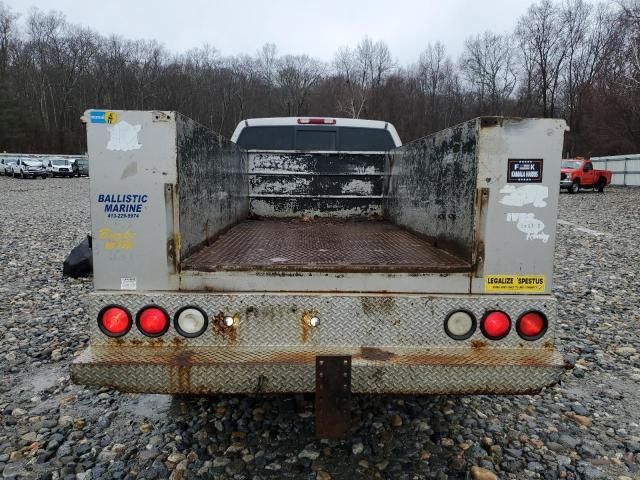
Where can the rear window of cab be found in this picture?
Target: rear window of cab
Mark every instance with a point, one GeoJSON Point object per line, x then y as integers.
{"type": "Point", "coordinates": [316, 138]}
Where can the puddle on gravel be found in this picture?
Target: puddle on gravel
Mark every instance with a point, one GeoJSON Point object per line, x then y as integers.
{"type": "Point", "coordinates": [151, 406]}
{"type": "Point", "coordinates": [41, 378]}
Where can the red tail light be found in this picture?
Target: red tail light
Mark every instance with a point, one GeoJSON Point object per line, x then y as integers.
{"type": "Point", "coordinates": [316, 121]}
{"type": "Point", "coordinates": [531, 325]}
{"type": "Point", "coordinates": [153, 321]}
{"type": "Point", "coordinates": [495, 325]}
{"type": "Point", "coordinates": [114, 320]}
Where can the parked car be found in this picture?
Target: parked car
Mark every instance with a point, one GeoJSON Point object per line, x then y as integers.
{"type": "Point", "coordinates": [80, 167]}
{"type": "Point", "coordinates": [59, 167]}
{"type": "Point", "coordinates": [577, 173]}
{"type": "Point", "coordinates": [6, 165]}
{"type": "Point", "coordinates": [24, 168]}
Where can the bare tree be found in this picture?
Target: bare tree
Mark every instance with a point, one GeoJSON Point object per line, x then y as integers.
{"type": "Point", "coordinates": [489, 66]}
{"type": "Point", "coordinates": [363, 69]}
{"type": "Point", "coordinates": [267, 62]}
{"type": "Point", "coordinates": [296, 75]}
{"type": "Point", "coordinates": [8, 33]}
{"type": "Point", "coordinates": [543, 38]}
{"type": "Point", "coordinates": [438, 82]}
{"type": "Point", "coordinates": [573, 58]}
{"type": "Point", "coordinates": [630, 20]}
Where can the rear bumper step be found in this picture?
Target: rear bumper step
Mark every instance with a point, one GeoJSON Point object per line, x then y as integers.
{"type": "Point", "coordinates": [210, 370]}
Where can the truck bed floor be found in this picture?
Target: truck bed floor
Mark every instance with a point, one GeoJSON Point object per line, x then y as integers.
{"type": "Point", "coordinates": [322, 245]}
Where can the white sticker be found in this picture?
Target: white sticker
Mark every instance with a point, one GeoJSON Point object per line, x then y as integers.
{"type": "Point", "coordinates": [128, 283]}
{"type": "Point", "coordinates": [124, 137]}
{"type": "Point", "coordinates": [524, 195]}
{"type": "Point", "coordinates": [529, 224]}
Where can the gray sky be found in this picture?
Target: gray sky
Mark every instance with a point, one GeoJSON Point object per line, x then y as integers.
{"type": "Point", "coordinates": [315, 27]}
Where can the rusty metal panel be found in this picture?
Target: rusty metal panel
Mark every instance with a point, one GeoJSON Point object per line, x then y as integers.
{"type": "Point", "coordinates": [333, 396]}
{"type": "Point", "coordinates": [322, 245]}
{"type": "Point", "coordinates": [277, 370]}
{"type": "Point", "coordinates": [432, 183]}
{"type": "Point", "coordinates": [292, 184]}
{"type": "Point", "coordinates": [270, 320]}
{"type": "Point", "coordinates": [213, 186]}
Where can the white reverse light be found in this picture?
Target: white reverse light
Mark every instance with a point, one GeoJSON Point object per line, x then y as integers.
{"type": "Point", "coordinates": [460, 325]}
{"type": "Point", "coordinates": [191, 322]}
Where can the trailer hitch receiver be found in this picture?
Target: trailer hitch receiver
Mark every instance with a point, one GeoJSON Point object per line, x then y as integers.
{"type": "Point", "coordinates": [333, 396]}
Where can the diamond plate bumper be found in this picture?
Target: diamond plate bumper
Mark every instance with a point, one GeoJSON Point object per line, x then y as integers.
{"type": "Point", "coordinates": [204, 370]}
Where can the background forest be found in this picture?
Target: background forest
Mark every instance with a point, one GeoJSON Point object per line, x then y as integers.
{"type": "Point", "coordinates": [576, 60]}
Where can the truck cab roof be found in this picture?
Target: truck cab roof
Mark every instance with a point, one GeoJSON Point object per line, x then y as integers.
{"type": "Point", "coordinates": [316, 134]}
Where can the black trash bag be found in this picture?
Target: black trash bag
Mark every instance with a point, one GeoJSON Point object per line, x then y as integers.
{"type": "Point", "coordinates": [79, 263]}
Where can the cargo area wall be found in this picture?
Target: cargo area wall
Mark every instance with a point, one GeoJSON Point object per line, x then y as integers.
{"type": "Point", "coordinates": [212, 184]}
{"type": "Point", "coordinates": [431, 186]}
{"type": "Point", "coordinates": [294, 184]}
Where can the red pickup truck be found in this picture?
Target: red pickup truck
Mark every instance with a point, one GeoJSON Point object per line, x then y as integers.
{"type": "Point", "coordinates": [577, 173]}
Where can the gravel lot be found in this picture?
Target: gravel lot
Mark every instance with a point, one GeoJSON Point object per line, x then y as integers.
{"type": "Point", "coordinates": [587, 427]}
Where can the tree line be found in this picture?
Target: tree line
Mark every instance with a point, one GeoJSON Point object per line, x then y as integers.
{"type": "Point", "coordinates": [576, 60]}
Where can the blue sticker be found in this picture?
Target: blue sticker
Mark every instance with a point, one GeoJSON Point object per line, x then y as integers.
{"type": "Point", "coordinates": [123, 205]}
{"type": "Point", "coordinates": [97, 117]}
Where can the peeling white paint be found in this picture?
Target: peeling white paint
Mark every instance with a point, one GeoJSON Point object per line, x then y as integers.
{"type": "Point", "coordinates": [525, 195]}
{"type": "Point", "coordinates": [529, 224]}
{"type": "Point", "coordinates": [357, 187]}
{"type": "Point", "coordinates": [124, 137]}
{"type": "Point", "coordinates": [368, 170]}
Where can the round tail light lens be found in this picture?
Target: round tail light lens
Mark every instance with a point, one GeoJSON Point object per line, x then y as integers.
{"type": "Point", "coordinates": [153, 321]}
{"type": "Point", "coordinates": [460, 325]}
{"type": "Point", "coordinates": [190, 322]}
{"type": "Point", "coordinates": [114, 320]}
{"type": "Point", "coordinates": [531, 325]}
{"type": "Point", "coordinates": [495, 325]}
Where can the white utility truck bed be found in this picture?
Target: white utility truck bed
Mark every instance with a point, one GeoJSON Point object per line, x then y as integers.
{"type": "Point", "coordinates": [321, 255]}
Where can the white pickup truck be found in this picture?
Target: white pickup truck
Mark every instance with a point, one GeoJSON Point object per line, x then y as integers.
{"type": "Point", "coordinates": [321, 255]}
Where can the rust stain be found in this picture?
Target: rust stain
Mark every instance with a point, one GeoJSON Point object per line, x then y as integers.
{"type": "Point", "coordinates": [478, 344]}
{"type": "Point", "coordinates": [180, 372]}
{"type": "Point", "coordinates": [179, 362]}
{"type": "Point", "coordinates": [187, 357]}
{"type": "Point", "coordinates": [375, 305]}
{"type": "Point", "coordinates": [279, 358]}
{"type": "Point", "coordinates": [371, 353]}
{"type": "Point", "coordinates": [548, 345]}
{"type": "Point", "coordinates": [221, 330]}
{"type": "Point", "coordinates": [477, 253]}
{"type": "Point", "coordinates": [482, 357]}
{"type": "Point", "coordinates": [305, 324]}
{"type": "Point", "coordinates": [151, 342]}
